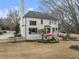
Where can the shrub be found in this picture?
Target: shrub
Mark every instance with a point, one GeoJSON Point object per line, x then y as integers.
{"type": "Point", "coordinates": [73, 38]}
{"type": "Point", "coordinates": [1, 32]}
{"type": "Point", "coordinates": [17, 29]}
{"type": "Point", "coordinates": [19, 35]}
{"type": "Point", "coordinates": [74, 47]}
{"type": "Point", "coordinates": [4, 31]}
{"type": "Point", "coordinates": [42, 32]}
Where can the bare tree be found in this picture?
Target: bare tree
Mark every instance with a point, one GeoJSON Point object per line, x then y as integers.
{"type": "Point", "coordinates": [67, 11]}
{"type": "Point", "coordinates": [13, 15]}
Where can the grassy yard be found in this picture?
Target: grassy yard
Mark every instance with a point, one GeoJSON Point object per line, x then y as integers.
{"type": "Point", "coordinates": [35, 50]}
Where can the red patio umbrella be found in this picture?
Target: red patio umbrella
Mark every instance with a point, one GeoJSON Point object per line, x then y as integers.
{"type": "Point", "coordinates": [51, 35]}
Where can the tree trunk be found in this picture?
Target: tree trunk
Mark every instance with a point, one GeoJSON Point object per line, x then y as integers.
{"type": "Point", "coordinates": [42, 36]}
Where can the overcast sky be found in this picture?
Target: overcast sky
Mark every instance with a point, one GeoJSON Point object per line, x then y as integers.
{"type": "Point", "coordinates": [6, 5]}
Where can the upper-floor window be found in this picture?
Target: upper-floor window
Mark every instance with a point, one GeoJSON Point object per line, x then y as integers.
{"type": "Point", "coordinates": [41, 21]}
{"type": "Point", "coordinates": [32, 22]}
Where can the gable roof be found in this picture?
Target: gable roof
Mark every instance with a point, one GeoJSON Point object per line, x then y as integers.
{"type": "Point", "coordinates": [8, 22]}
{"type": "Point", "coordinates": [33, 14]}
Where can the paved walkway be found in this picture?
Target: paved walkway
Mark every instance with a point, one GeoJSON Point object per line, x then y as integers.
{"type": "Point", "coordinates": [7, 35]}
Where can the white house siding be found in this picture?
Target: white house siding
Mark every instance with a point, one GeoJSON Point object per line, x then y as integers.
{"type": "Point", "coordinates": [39, 26]}
{"type": "Point", "coordinates": [34, 37]}
{"type": "Point", "coordinates": [21, 28]}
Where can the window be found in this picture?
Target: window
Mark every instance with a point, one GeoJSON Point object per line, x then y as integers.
{"type": "Point", "coordinates": [48, 30]}
{"type": "Point", "coordinates": [32, 22]}
{"type": "Point", "coordinates": [56, 29]}
{"type": "Point", "coordinates": [41, 21]}
{"type": "Point", "coordinates": [53, 30]}
{"type": "Point", "coordinates": [32, 30]}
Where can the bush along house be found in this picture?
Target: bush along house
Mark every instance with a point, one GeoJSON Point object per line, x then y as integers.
{"type": "Point", "coordinates": [33, 21]}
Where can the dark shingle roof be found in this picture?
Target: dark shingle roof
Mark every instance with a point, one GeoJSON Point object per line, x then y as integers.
{"type": "Point", "coordinates": [33, 14]}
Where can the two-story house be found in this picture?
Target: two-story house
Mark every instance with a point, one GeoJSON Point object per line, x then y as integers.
{"type": "Point", "coordinates": [33, 21]}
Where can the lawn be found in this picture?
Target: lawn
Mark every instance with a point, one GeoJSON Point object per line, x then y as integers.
{"type": "Point", "coordinates": [35, 50]}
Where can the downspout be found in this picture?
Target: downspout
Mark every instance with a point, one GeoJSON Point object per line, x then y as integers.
{"type": "Point", "coordinates": [50, 26]}
{"type": "Point", "coordinates": [25, 30]}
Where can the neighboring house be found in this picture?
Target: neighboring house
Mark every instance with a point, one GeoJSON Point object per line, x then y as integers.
{"type": "Point", "coordinates": [8, 24]}
{"type": "Point", "coordinates": [33, 21]}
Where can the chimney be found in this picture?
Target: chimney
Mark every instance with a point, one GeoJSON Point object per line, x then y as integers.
{"type": "Point", "coordinates": [22, 9]}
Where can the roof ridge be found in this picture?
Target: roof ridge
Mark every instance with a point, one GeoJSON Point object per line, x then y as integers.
{"type": "Point", "coordinates": [36, 14]}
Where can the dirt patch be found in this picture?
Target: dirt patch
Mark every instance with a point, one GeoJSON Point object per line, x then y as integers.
{"type": "Point", "coordinates": [34, 50]}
